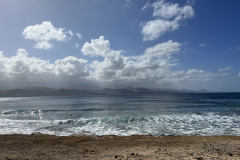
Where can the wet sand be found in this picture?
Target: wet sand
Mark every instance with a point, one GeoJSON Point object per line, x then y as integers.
{"type": "Point", "coordinates": [136, 147]}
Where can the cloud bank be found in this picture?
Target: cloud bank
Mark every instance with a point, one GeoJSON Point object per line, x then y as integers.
{"type": "Point", "coordinates": [153, 68]}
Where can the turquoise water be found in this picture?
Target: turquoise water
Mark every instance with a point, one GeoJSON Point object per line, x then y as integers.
{"type": "Point", "coordinates": [158, 114]}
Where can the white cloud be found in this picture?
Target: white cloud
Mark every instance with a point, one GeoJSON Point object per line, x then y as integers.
{"type": "Point", "coordinates": [71, 67]}
{"type": "Point", "coordinates": [70, 33]}
{"type": "Point", "coordinates": [1, 53]}
{"type": "Point", "coordinates": [97, 47]}
{"type": "Point", "coordinates": [44, 34]}
{"type": "Point", "coordinates": [158, 27]}
{"type": "Point", "coordinates": [196, 76]}
{"type": "Point", "coordinates": [165, 10]}
{"type": "Point", "coordinates": [113, 60]}
{"type": "Point", "coordinates": [153, 68]}
{"type": "Point", "coordinates": [23, 71]}
{"type": "Point", "coordinates": [239, 74]}
{"type": "Point", "coordinates": [225, 69]}
{"type": "Point", "coordinates": [147, 4]}
{"type": "Point", "coordinates": [170, 10]}
{"type": "Point", "coordinates": [168, 16]}
{"type": "Point", "coordinates": [79, 35]}
{"type": "Point", "coordinates": [187, 12]}
{"type": "Point", "coordinates": [163, 49]}
{"type": "Point", "coordinates": [194, 71]}
{"type": "Point", "coordinates": [43, 45]}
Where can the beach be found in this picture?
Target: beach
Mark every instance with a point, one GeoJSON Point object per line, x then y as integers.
{"type": "Point", "coordinates": [40, 146]}
{"type": "Point", "coordinates": [133, 127]}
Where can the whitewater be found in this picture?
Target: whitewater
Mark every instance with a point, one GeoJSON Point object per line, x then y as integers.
{"type": "Point", "coordinates": [151, 114]}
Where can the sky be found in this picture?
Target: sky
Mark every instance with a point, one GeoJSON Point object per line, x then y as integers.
{"type": "Point", "coordinates": [95, 44]}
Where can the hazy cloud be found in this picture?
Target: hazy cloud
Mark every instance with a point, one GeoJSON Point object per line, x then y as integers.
{"type": "Point", "coordinates": [236, 48]}
{"type": "Point", "coordinates": [191, 2]}
{"type": "Point", "coordinates": [225, 69]}
{"type": "Point", "coordinates": [224, 74]}
{"type": "Point", "coordinates": [202, 44]}
{"type": "Point", "coordinates": [44, 34]}
{"type": "Point", "coordinates": [127, 3]}
{"type": "Point", "coordinates": [76, 45]}
{"type": "Point", "coordinates": [79, 35]}
{"type": "Point", "coordinates": [147, 4]}
{"type": "Point", "coordinates": [70, 33]}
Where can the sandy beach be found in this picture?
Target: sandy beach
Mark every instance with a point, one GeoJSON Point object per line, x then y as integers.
{"type": "Point", "coordinates": [38, 146]}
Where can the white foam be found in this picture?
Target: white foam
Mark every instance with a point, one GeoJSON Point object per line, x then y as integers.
{"type": "Point", "coordinates": [178, 124]}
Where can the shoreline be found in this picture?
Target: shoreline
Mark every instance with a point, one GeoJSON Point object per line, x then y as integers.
{"type": "Point", "coordinates": [41, 146]}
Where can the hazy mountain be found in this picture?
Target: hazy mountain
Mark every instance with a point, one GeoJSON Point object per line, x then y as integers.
{"type": "Point", "coordinates": [38, 91]}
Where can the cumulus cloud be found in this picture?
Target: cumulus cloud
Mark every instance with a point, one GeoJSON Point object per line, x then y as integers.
{"type": "Point", "coordinates": [169, 17]}
{"type": "Point", "coordinates": [113, 61]}
{"type": "Point", "coordinates": [45, 33]}
{"type": "Point", "coordinates": [71, 67]}
{"type": "Point", "coordinates": [24, 71]}
{"type": "Point", "coordinates": [97, 47]}
{"type": "Point", "coordinates": [153, 68]}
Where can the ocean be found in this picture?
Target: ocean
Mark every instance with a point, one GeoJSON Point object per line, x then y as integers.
{"type": "Point", "coordinates": [155, 114]}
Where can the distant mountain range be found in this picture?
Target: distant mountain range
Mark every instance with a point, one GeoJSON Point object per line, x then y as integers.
{"type": "Point", "coordinates": [38, 91]}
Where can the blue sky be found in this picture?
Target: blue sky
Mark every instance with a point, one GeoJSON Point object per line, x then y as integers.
{"type": "Point", "coordinates": [189, 44]}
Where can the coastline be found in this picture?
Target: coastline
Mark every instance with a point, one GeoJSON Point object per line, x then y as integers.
{"type": "Point", "coordinates": [40, 146]}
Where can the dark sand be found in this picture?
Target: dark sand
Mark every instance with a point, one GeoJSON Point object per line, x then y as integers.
{"type": "Point", "coordinates": [16, 147]}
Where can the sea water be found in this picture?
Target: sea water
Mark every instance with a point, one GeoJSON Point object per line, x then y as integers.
{"type": "Point", "coordinates": [155, 114]}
